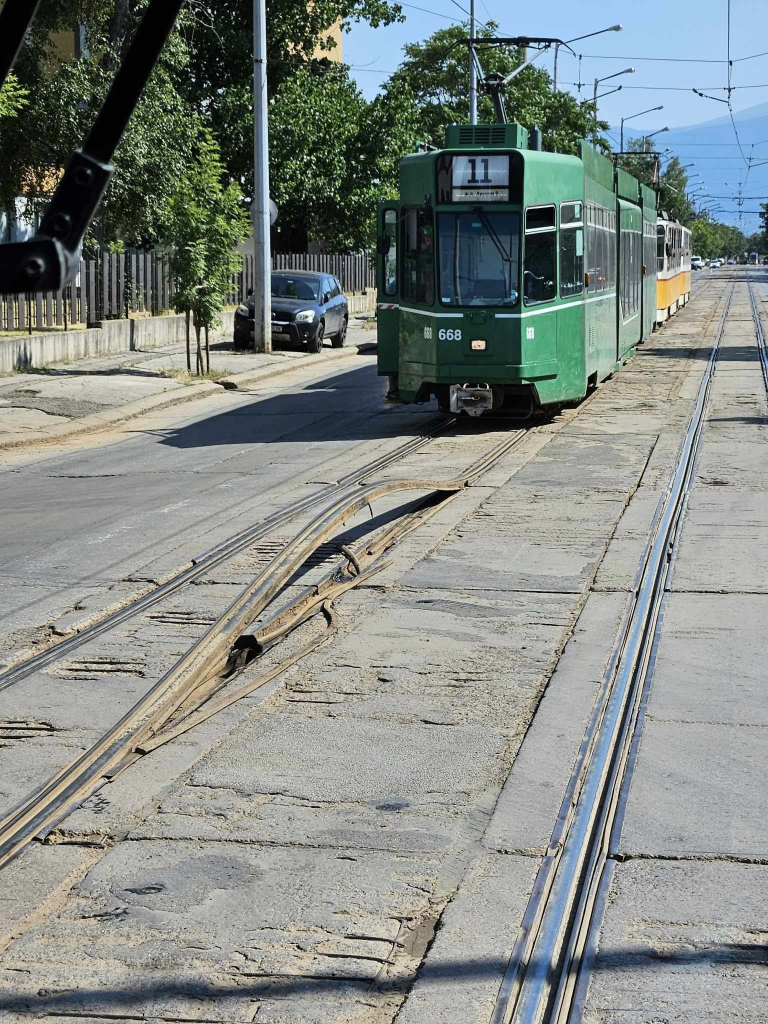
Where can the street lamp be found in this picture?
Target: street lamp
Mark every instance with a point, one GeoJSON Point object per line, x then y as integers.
{"type": "Point", "coordinates": [647, 137]}
{"type": "Point", "coordinates": [648, 111]}
{"type": "Point", "coordinates": [613, 28]}
{"type": "Point", "coordinates": [626, 71]}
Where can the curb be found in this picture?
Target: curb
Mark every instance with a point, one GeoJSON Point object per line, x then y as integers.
{"type": "Point", "coordinates": [120, 414]}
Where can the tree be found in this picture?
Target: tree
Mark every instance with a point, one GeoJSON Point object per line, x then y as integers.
{"type": "Point", "coordinates": [13, 98]}
{"type": "Point", "coordinates": [205, 223]}
{"type": "Point", "coordinates": [436, 72]}
{"type": "Point", "coordinates": [220, 76]}
{"type": "Point", "coordinates": [710, 238]}
{"type": "Point", "coordinates": [671, 183]}
{"type": "Point", "coordinates": [64, 96]}
{"type": "Point", "coordinates": [330, 165]}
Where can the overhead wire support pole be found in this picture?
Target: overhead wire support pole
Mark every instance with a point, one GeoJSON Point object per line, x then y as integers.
{"type": "Point", "coordinates": [262, 252]}
{"type": "Point", "coordinates": [472, 68]}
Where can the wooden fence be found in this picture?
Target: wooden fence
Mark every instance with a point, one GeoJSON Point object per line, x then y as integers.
{"type": "Point", "coordinates": [118, 285]}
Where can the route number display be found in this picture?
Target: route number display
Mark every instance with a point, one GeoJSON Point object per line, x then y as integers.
{"type": "Point", "coordinates": [480, 179]}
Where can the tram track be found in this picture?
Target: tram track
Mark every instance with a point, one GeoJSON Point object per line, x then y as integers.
{"type": "Point", "coordinates": [214, 557]}
{"type": "Point", "coordinates": [548, 973]}
{"type": "Point", "coordinates": [198, 684]}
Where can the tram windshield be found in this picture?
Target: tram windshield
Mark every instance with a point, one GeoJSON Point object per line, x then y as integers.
{"type": "Point", "coordinates": [479, 258]}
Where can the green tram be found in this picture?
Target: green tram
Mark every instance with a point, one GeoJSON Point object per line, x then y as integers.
{"type": "Point", "coordinates": [509, 278]}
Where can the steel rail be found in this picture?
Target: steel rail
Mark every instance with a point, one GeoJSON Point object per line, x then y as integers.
{"type": "Point", "coordinates": [540, 981]}
{"type": "Point", "coordinates": [211, 558]}
{"type": "Point", "coordinates": [759, 332]}
{"type": "Point", "coordinates": [203, 660]}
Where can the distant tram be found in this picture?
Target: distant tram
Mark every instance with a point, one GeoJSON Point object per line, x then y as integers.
{"type": "Point", "coordinates": [754, 259]}
{"type": "Point", "coordinates": [509, 278]}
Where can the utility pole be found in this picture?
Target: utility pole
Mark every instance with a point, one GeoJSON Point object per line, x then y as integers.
{"type": "Point", "coordinates": [261, 221]}
{"type": "Point", "coordinates": [554, 73]}
{"type": "Point", "coordinates": [472, 67]}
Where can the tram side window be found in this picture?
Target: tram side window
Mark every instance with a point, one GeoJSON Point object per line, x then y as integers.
{"type": "Point", "coordinates": [571, 249]}
{"type": "Point", "coordinates": [612, 252]}
{"type": "Point", "coordinates": [660, 240]}
{"type": "Point", "coordinates": [390, 259]}
{"type": "Point", "coordinates": [539, 272]}
{"type": "Point", "coordinates": [591, 248]}
{"type": "Point", "coordinates": [418, 256]}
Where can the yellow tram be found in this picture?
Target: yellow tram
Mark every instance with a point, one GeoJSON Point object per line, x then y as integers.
{"type": "Point", "coordinates": [673, 267]}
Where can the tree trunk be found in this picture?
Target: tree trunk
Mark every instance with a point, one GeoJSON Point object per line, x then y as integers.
{"type": "Point", "coordinates": [189, 348]}
{"type": "Point", "coordinates": [199, 353]}
{"type": "Point", "coordinates": [207, 351]}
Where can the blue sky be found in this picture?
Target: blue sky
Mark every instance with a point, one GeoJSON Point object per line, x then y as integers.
{"type": "Point", "coordinates": [685, 31]}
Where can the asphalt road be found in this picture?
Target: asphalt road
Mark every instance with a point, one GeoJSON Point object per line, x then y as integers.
{"type": "Point", "coordinates": [83, 527]}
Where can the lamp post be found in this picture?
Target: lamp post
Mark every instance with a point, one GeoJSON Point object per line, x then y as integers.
{"type": "Point", "coordinates": [640, 114]}
{"type": "Point", "coordinates": [613, 28]}
{"type": "Point", "coordinates": [626, 71]}
{"type": "Point", "coordinates": [472, 67]}
{"type": "Point", "coordinates": [647, 138]}
{"type": "Point", "coordinates": [261, 211]}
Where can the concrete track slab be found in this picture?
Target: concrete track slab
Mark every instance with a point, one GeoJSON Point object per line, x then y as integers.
{"type": "Point", "coordinates": [683, 942]}
{"type": "Point", "coordinates": [214, 932]}
{"type": "Point", "coordinates": [699, 789]}
{"type": "Point", "coordinates": [460, 980]}
{"type": "Point", "coordinates": [711, 661]}
{"type": "Point", "coordinates": [533, 793]}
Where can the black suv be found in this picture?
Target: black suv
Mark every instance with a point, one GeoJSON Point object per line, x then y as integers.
{"type": "Point", "coordinates": [307, 307]}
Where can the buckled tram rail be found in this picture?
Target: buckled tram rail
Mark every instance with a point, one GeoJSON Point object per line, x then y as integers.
{"type": "Point", "coordinates": [513, 279]}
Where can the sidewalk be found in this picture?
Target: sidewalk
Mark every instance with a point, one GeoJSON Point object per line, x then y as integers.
{"type": "Point", "coordinates": [71, 398]}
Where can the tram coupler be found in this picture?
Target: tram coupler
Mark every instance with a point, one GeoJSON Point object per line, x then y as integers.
{"type": "Point", "coordinates": [473, 399]}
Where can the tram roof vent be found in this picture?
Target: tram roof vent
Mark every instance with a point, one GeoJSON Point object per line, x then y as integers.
{"type": "Point", "coordinates": [513, 136]}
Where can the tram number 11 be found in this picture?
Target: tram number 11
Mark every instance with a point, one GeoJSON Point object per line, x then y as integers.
{"type": "Point", "coordinates": [473, 178]}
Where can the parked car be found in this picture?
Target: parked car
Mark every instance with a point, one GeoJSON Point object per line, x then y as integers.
{"type": "Point", "coordinates": [696, 262]}
{"type": "Point", "coordinates": [731, 262]}
{"type": "Point", "coordinates": [307, 307]}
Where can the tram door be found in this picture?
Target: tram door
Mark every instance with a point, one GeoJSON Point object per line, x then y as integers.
{"type": "Point", "coordinates": [388, 289]}
{"type": "Point", "coordinates": [630, 277]}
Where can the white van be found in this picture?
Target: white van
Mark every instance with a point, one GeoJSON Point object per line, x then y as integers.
{"type": "Point", "coordinates": [697, 262]}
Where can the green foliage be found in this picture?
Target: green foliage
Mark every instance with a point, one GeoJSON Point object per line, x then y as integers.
{"type": "Point", "coordinates": [13, 97]}
{"type": "Point", "coordinates": [436, 72]}
{"type": "Point", "coordinates": [330, 164]}
{"type": "Point", "coordinates": [64, 94]}
{"type": "Point", "coordinates": [205, 222]}
{"type": "Point", "coordinates": [671, 183]}
{"type": "Point", "coordinates": [709, 238]}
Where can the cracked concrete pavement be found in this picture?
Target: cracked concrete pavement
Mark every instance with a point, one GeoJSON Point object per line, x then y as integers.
{"type": "Point", "coordinates": [390, 796]}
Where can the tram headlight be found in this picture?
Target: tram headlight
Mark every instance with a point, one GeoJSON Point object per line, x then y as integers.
{"type": "Point", "coordinates": [305, 316]}
{"type": "Point", "coordinates": [478, 345]}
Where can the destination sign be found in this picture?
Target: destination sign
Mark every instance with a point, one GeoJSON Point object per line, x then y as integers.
{"type": "Point", "coordinates": [480, 179]}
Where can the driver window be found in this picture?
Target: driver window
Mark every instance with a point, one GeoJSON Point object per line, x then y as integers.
{"type": "Point", "coordinates": [540, 243]}
{"type": "Point", "coordinates": [390, 259]}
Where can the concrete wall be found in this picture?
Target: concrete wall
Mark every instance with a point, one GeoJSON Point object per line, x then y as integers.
{"type": "Point", "coordinates": [109, 337]}
{"type": "Point", "coordinates": [114, 336]}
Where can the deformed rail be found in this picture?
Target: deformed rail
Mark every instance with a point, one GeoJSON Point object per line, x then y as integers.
{"type": "Point", "coordinates": [548, 972]}
{"type": "Point", "coordinates": [185, 695]}
{"type": "Point", "coordinates": [214, 557]}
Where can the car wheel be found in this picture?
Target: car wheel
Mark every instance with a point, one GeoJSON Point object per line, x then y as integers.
{"type": "Point", "coordinates": [316, 343]}
{"type": "Point", "coordinates": [341, 337]}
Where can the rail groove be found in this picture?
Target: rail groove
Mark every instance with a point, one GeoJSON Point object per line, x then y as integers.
{"type": "Point", "coordinates": [548, 971]}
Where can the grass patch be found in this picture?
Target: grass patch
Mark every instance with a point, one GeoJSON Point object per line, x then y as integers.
{"type": "Point", "coordinates": [182, 376]}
